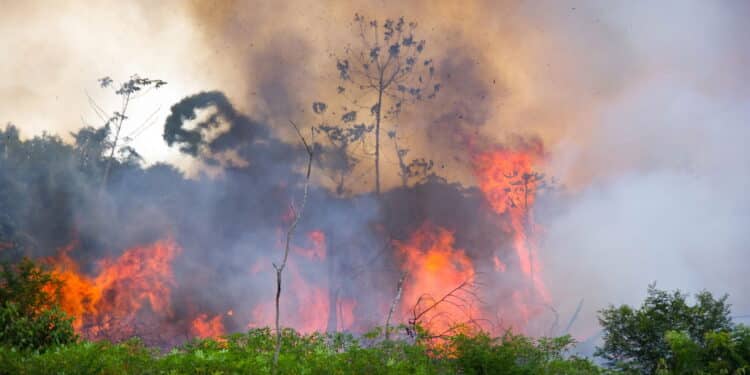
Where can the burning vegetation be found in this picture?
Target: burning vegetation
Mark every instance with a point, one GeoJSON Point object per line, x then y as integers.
{"type": "Point", "coordinates": [413, 190]}
{"type": "Point", "coordinates": [454, 273]}
{"type": "Point", "coordinates": [149, 252]}
{"type": "Point", "coordinates": [126, 295]}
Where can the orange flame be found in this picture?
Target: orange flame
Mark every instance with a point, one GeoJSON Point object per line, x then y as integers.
{"type": "Point", "coordinates": [204, 328]}
{"type": "Point", "coordinates": [141, 277]}
{"type": "Point", "coordinates": [435, 269]}
{"type": "Point", "coordinates": [509, 183]}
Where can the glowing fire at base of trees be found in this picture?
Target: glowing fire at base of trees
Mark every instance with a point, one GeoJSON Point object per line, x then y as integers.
{"type": "Point", "coordinates": [434, 295]}
{"type": "Point", "coordinates": [134, 291]}
{"type": "Point", "coordinates": [108, 303]}
{"type": "Point", "coordinates": [440, 289]}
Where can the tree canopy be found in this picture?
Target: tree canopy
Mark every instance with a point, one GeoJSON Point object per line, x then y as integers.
{"type": "Point", "coordinates": [638, 339]}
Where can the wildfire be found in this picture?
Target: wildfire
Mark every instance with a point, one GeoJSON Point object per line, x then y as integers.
{"type": "Point", "coordinates": [436, 269]}
{"type": "Point", "coordinates": [509, 183]}
{"type": "Point", "coordinates": [307, 304]}
{"type": "Point", "coordinates": [139, 279]}
{"type": "Point", "coordinates": [135, 288]}
{"type": "Point", "coordinates": [204, 327]}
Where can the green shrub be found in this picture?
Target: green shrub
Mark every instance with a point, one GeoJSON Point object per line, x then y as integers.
{"type": "Point", "coordinates": [636, 339]}
{"type": "Point", "coordinates": [251, 353]}
{"type": "Point", "coordinates": [30, 317]}
{"type": "Point", "coordinates": [516, 354]}
{"type": "Point", "coordinates": [718, 353]}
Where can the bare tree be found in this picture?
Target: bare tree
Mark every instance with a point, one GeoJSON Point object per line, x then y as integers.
{"type": "Point", "coordinates": [127, 91]}
{"type": "Point", "coordinates": [394, 303]}
{"type": "Point", "coordinates": [416, 168]}
{"type": "Point", "coordinates": [573, 318]}
{"type": "Point", "coordinates": [289, 234]}
{"type": "Point", "coordinates": [426, 310]}
{"type": "Point", "coordinates": [527, 186]}
{"type": "Point", "coordinates": [337, 155]}
{"type": "Point", "coordinates": [384, 72]}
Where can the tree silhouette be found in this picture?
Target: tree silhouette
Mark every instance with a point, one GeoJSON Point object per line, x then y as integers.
{"type": "Point", "coordinates": [336, 155]}
{"type": "Point", "coordinates": [382, 73]}
{"type": "Point", "coordinates": [418, 168]}
{"type": "Point", "coordinates": [126, 91]}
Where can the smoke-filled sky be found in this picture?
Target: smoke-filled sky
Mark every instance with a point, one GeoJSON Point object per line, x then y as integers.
{"type": "Point", "coordinates": [643, 107]}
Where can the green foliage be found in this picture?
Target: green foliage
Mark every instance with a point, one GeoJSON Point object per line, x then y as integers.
{"type": "Point", "coordinates": [252, 353]}
{"type": "Point", "coordinates": [129, 357]}
{"type": "Point", "coordinates": [29, 314]}
{"type": "Point", "coordinates": [29, 286]}
{"type": "Point", "coordinates": [38, 331]}
{"type": "Point", "coordinates": [637, 340]}
{"type": "Point", "coordinates": [516, 354]}
{"type": "Point", "coordinates": [725, 352]}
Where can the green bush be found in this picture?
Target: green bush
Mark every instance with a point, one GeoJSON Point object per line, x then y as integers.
{"type": "Point", "coordinates": [516, 354]}
{"type": "Point", "coordinates": [718, 353]}
{"type": "Point", "coordinates": [129, 357]}
{"type": "Point", "coordinates": [30, 317]}
{"type": "Point", "coordinates": [252, 353]}
{"type": "Point", "coordinates": [635, 340]}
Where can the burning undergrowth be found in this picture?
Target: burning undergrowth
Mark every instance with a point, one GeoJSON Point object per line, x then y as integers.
{"type": "Point", "coordinates": [167, 258]}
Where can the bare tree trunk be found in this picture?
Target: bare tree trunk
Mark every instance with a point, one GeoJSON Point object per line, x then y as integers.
{"type": "Point", "coordinates": [333, 292]}
{"type": "Point", "coordinates": [399, 289]}
{"type": "Point", "coordinates": [289, 234]}
{"type": "Point", "coordinates": [114, 143]}
{"type": "Point", "coordinates": [401, 165]}
{"type": "Point", "coordinates": [528, 228]}
{"type": "Point", "coordinates": [333, 309]}
{"type": "Point", "coordinates": [377, 136]}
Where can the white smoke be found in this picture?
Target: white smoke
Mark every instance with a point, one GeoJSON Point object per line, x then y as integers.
{"type": "Point", "coordinates": [662, 168]}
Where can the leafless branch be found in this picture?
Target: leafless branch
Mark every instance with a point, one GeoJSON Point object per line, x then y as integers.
{"type": "Point", "coordinates": [399, 289]}
{"type": "Point", "coordinates": [289, 234]}
{"type": "Point", "coordinates": [461, 298]}
{"type": "Point", "coordinates": [573, 318]}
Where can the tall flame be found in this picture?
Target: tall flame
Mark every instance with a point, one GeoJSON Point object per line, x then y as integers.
{"type": "Point", "coordinates": [509, 183]}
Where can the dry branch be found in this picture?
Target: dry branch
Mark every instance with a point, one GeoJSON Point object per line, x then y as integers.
{"type": "Point", "coordinates": [289, 234]}
{"type": "Point", "coordinates": [399, 289]}
{"type": "Point", "coordinates": [573, 318]}
{"type": "Point", "coordinates": [453, 298]}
